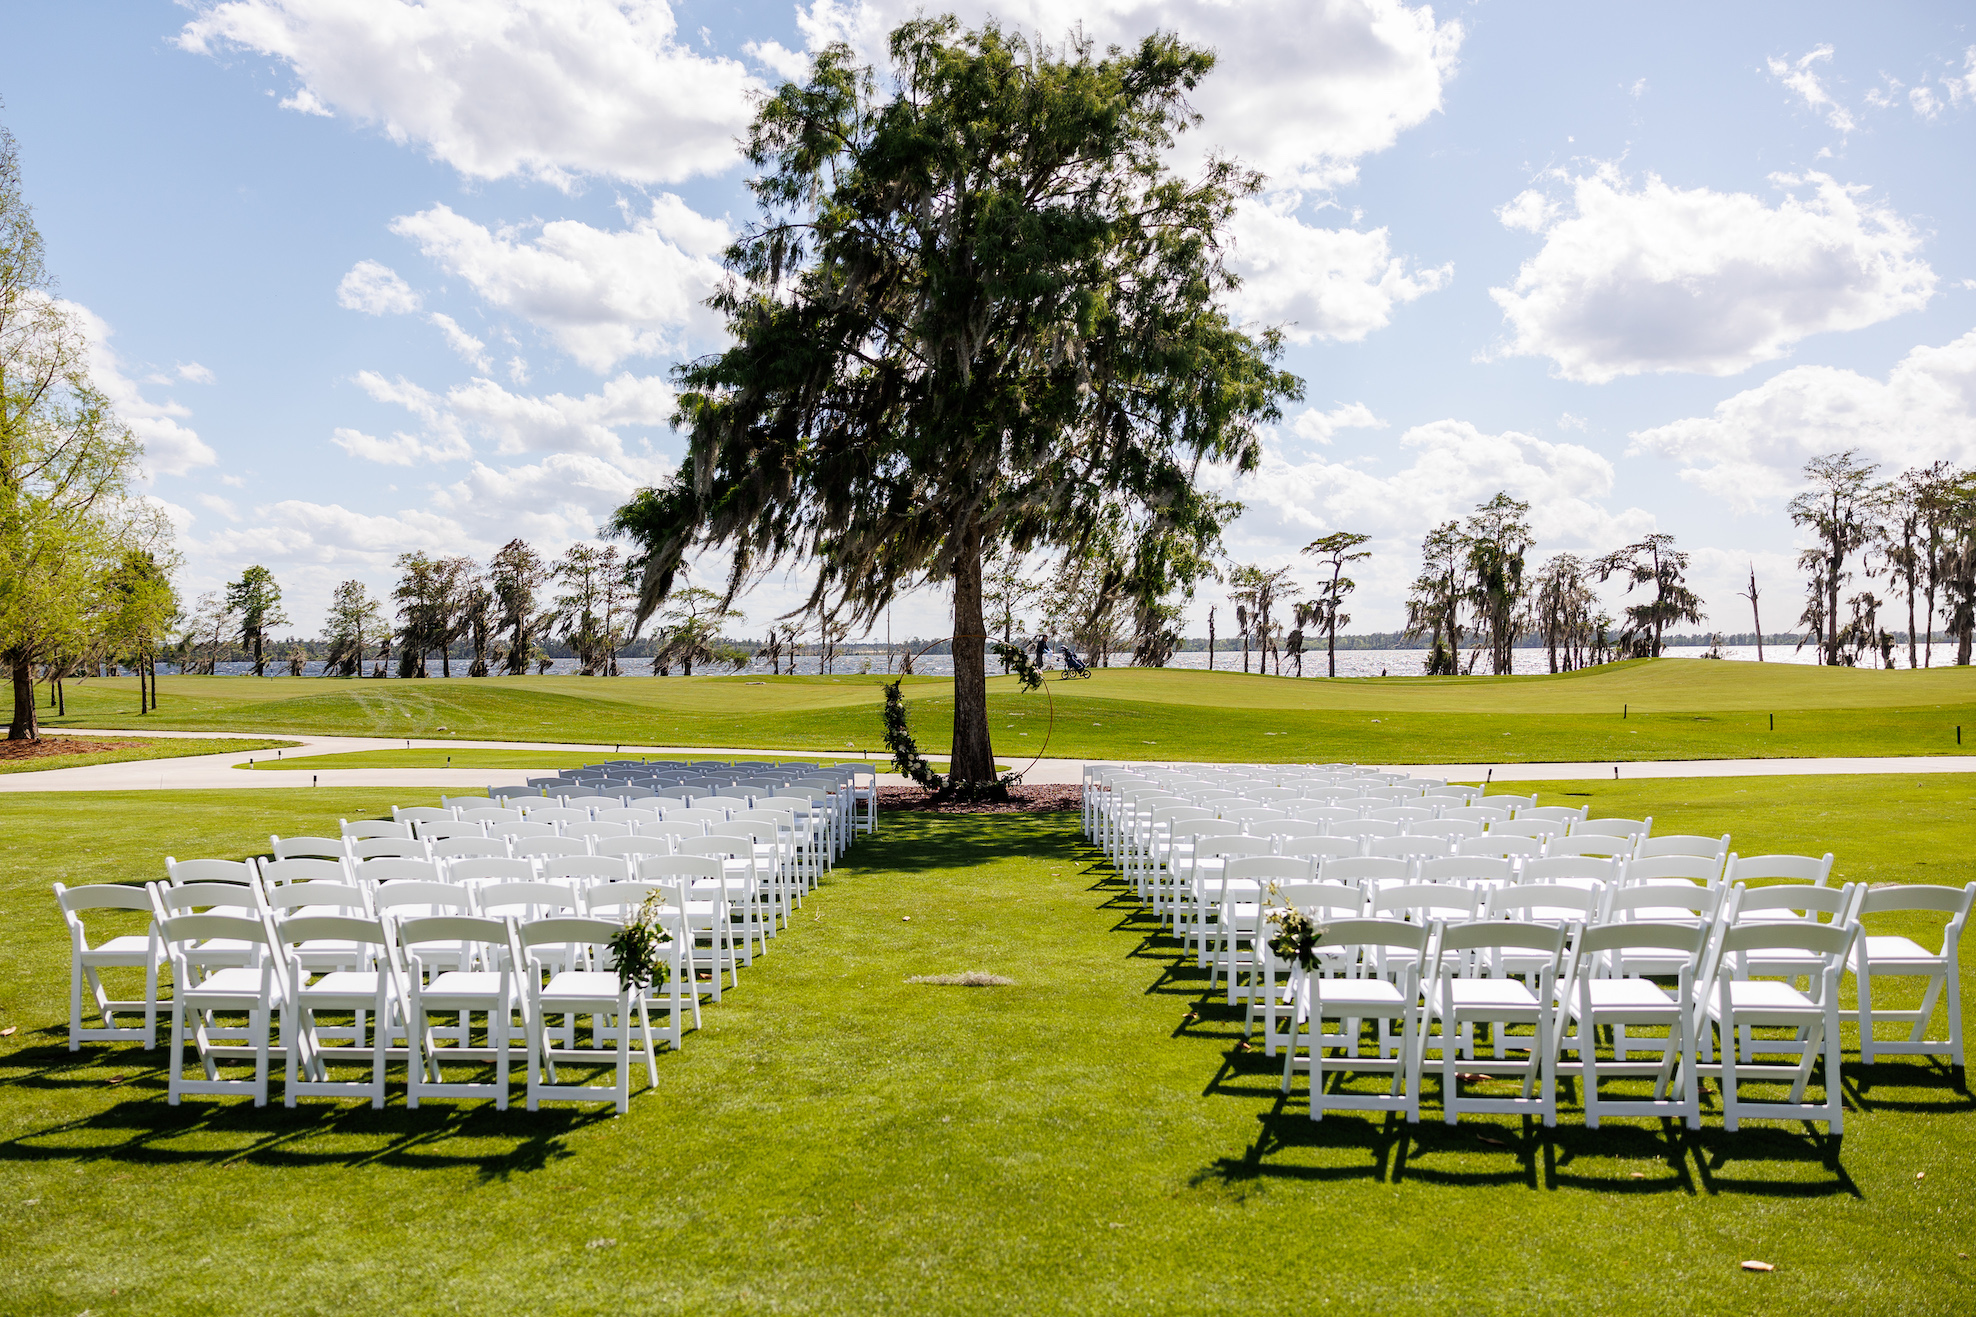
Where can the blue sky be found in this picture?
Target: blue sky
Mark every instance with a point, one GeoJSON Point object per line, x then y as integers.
{"type": "Point", "coordinates": [371, 277]}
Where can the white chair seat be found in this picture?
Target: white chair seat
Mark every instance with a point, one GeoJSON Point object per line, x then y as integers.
{"type": "Point", "coordinates": [1358, 992]}
{"type": "Point", "coordinates": [1625, 994]}
{"type": "Point", "coordinates": [348, 984]}
{"type": "Point", "coordinates": [135, 949]}
{"type": "Point", "coordinates": [1767, 995]}
{"type": "Point", "coordinates": [234, 983]}
{"type": "Point", "coordinates": [581, 986]}
{"type": "Point", "coordinates": [461, 985]}
{"type": "Point", "coordinates": [1480, 994]}
{"type": "Point", "coordinates": [1886, 954]}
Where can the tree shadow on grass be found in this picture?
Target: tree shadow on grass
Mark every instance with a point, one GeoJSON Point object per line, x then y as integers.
{"type": "Point", "coordinates": [926, 842]}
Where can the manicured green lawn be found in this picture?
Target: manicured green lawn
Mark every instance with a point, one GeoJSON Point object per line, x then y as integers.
{"type": "Point", "coordinates": [469, 757]}
{"type": "Point", "coordinates": [150, 750]}
{"type": "Point", "coordinates": [1667, 709]}
{"type": "Point", "coordinates": [836, 1140]}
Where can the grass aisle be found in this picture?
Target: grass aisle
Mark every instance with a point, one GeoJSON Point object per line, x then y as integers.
{"type": "Point", "coordinates": [837, 1140]}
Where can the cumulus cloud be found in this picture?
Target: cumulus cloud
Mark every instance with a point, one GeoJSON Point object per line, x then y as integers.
{"type": "Point", "coordinates": [1305, 88]}
{"type": "Point", "coordinates": [554, 89]}
{"type": "Point", "coordinates": [171, 448]}
{"type": "Point", "coordinates": [516, 422]}
{"type": "Point", "coordinates": [1319, 283]}
{"type": "Point", "coordinates": [1319, 426]}
{"type": "Point", "coordinates": [1751, 450]}
{"type": "Point", "coordinates": [1801, 77]}
{"type": "Point", "coordinates": [1449, 466]}
{"type": "Point", "coordinates": [1659, 278]}
{"type": "Point", "coordinates": [602, 295]}
{"type": "Point", "coordinates": [466, 345]}
{"type": "Point", "coordinates": [376, 290]}
{"type": "Point", "coordinates": [194, 373]}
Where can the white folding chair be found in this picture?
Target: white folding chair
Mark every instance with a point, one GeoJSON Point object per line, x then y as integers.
{"type": "Point", "coordinates": [1892, 956]}
{"type": "Point", "coordinates": [119, 951]}
{"type": "Point", "coordinates": [362, 991]}
{"type": "Point", "coordinates": [1604, 994]}
{"type": "Point", "coordinates": [1462, 998]}
{"type": "Point", "coordinates": [1376, 978]}
{"type": "Point", "coordinates": [1737, 1007]}
{"type": "Point", "coordinates": [308, 848]}
{"type": "Point", "coordinates": [573, 993]}
{"type": "Point", "coordinates": [203, 988]}
{"type": "Point", "coordinates": [1816, 870]}
{"type": "Point", "coordinates": [457, 966]}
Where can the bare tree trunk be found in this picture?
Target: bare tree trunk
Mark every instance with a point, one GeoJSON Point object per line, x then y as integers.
{"type": "Point", "coordinates": [1210, 640]}
{"type": "Point", "coordinates": [25, 727]}
{"type": "Point", "coordinates": [973, 752]}
{"type": "Point", "coordinates": [1331, 645]}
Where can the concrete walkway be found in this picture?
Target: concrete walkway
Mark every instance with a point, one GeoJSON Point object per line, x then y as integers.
{"type": "Point", "coordinates": [219, 772]}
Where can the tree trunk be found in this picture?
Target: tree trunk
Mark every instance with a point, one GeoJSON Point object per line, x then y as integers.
{"type": "Point", "coordinates": [257, 655]}
{"type": "Point", "coordinates": [1210, 640]}
{"type": "Point", "coordinates": [25, 727]}
{"type": "Point", "coordinates": [1331, 650]}
{"type": "Point", "coordinates": [1832, 592]}
{"type": "Point", "coordinates": [973, 752]}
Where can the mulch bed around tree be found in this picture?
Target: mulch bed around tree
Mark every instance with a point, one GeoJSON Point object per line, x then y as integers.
{"type": "Point", "coordinates": [64, 745]}
{"type": "Point", "coordinates": [1028, 800]}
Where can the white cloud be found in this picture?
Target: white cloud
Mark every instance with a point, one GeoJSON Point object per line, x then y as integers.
{"type": "Point", "coordinates": [400, 449]}
{"type": "Point", "coordinates": [561, 498]}
{"type": "Point", "coordinates": [790, 64]}
{"type": "Point", "coordinates": [466, 345]}
{"type": "Point", "coordinates": [1963, 88]}
{"type": "Point", "coordinates": [1669, 279]}
{"type": "Point", "coordinates": [1751, 450]}
{"type": "Point", "coordinates": [1320, 283]}
{"type": "Point", "coordinates": [1800, 77]}
{"type": "Point", "coordinates": [602, 295]}
{"type": "Point", "coordinates": [223, 506]}
{"type": "Point", "coordinates": [1529, 209]}
{"type": "Point", "coordinates": [1319, 426]}
{"type": "Point", "coordinates": [548, 88]}
{"type": "Point", "coordinates": [305, 102]}
{"type": "Point", "coordinates": [1303, 90]}
{"type": "Point", "coordinates": [170, 448]}
{"type": "Point", "coordinates": [194, 373]}
{"type": "Point", "coordinates": [556, 423]}
{"type": "Point", "coordinates": [375, 290]}
{"type": "Point", "coordinates": [1638, 89]}
{"type": "Point", "coordinates": [1569, 422]}
{"type": "Point", "coordinates": [1450, 466]}
{"type": "Point", "coordinates": [1925, 102]}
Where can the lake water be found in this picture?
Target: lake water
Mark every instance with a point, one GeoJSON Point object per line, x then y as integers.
{"type": "Point", "coordinates": [1351, 662]}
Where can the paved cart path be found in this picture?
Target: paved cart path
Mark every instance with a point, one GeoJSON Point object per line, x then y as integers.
{"type": "Point", "coordinates": [219, 772]}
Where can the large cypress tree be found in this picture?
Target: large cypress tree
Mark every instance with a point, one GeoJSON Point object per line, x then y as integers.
{"type": "Point", "coordinates": [977, 310]}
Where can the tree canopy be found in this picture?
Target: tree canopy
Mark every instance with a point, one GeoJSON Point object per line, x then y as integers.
{"type": "Point", "coordinates": [977, 310]}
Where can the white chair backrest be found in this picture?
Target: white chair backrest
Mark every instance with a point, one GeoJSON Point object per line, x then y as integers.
{"type": "Point", "coordinates": [1546, 902]}
{"type": "Point", "coordinates": [458, 848]}
{"type": "Point", "coordinates": [527, 900]}
{"type": "Point", "coordinates": [1422, 902]}
{"type": "Point", "coordinates": [1590, 843]}
{"type": "Point", "coordinates": [421, 814]}
{"type": "Point", "coordinates": [277, 873]}
{"type": "Point", "coordinates": [1573, 868]}
{"type": "Point", "coordinates": [1364, 868]}
{"type": "Point", "coordinates": [1631, 828]}
{"type": "Point", "coordinates": [1675, 869]}
{"type": "Point", "coordinates": [490, 869]}
{"type": "Point", "coordinates": [412, 894]}
{"type": "Point", "coordinates": [321, 894]}
{"type": "Point", "coordinates": [543, 848]}
{"type": "Point", "coordinates": [518, 831]}
{"type": "Point", "coordinates": [1489, 844]}
{"type": "Point", "coordinates": [1777, 868]}
{"type": "Point", "coordinates": [1467, 869]}
{"type": "Point", "coordinates": [1475, 813]}
{"type": "Point", "coordinates": [371, 848]}
{"type": "Point", "coordinates": [1409, 846]}
{"type": "Point", "coordinates": [179, 872]}
{"type": "Point", "coordinates": [1650, 848]}
{"type": "Point", "coordinates": [391, 868]}
{"type": "Point", "coordinates": [636, 818]}
{"type": "Point", "coordinates": [632, 847]}
{"type": "Point", "coordinates": [584, 870]}
{"type": "Point", "coordinates": [558, 814]}
{"type": "Point", "coordinates": [375, 828]}
{"type": "Point", "coordinates": [596, 830]}
{"type": "Point", "coordinates": [677, 868]}
{"type": "Point", "coordinates": [308, 848]}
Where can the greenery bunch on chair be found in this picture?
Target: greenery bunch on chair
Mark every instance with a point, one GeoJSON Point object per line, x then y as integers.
{"type": "Point", "coordinates": [1296, 937]}
{"type": "Point", "coordinates": [635, 948]}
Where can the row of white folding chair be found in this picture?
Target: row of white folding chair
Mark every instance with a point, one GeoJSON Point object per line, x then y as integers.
{"type": "Point", "coordinates": [417, 967]}
{"type": "Point", "coordinates": [1587, 975]}
{"type": "Point", "coordinates": [760, 900]}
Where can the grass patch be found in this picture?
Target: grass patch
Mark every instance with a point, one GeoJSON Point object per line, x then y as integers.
{"type": "Point", "coordinates": [1661, 709]}
{"type": "Point", "coordinates": [838, 1140]}
{"type": "Point", "coordinates": [170, 749]}
{"type": "Point", "coordinates": [469, 757]}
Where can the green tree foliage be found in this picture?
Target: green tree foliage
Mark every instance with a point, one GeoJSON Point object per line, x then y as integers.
{"type": "Point", "coordinates": [1337, 551]}
{"type": "Point", "coordinates": [978, 309]}
{"type": "Point", "coordinates": [140, 608]}
{"type": "Point", "coordinates": [1564, 605]}
{"type": "Point", "coordinates": [254, 601]}
{"type": "Point", "coordinates": [1256, 590]}
{"type": "Point", "coordinates": [1842, 509]}
{"type": "Point", "coordinates": [1655, 562]}
{"type": "Point", "coordinates": [591, 579]}
{"type": "Point", "coordinates": [516, 574]}
{"type": "Point", "coordinates": [1435, 602]}
{"type": "Point", "coordinates": [690, 628]}
{"type": "Point", "coordinates": [355, 621]}
{"type": "Point", "coordinates": [66, 466]}
{"type": "Point", "coordinates": [1497, 537]}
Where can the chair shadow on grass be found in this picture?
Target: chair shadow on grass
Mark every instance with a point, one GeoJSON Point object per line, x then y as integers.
{"type": "Point", "coordinates": [142, 1129]}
